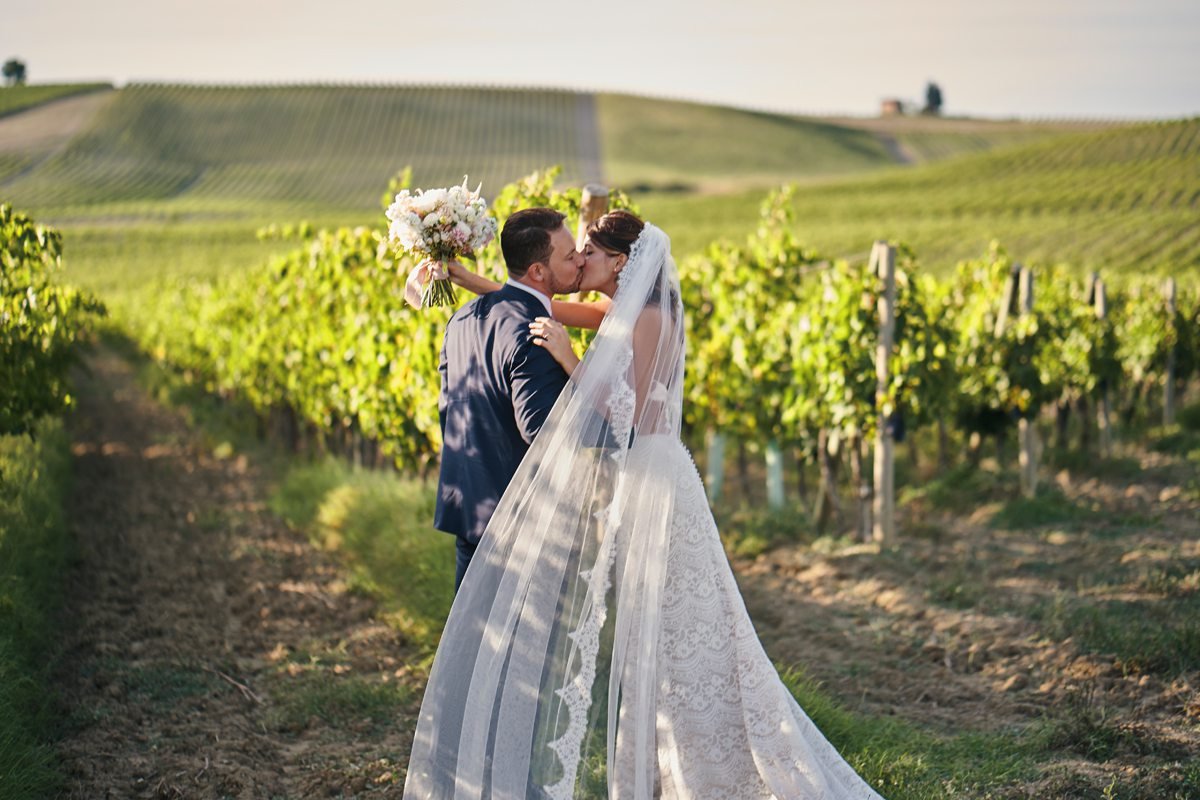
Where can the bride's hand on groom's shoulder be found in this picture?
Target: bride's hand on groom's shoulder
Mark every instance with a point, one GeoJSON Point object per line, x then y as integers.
{"type": "Point", "coordinates": [551, 335]}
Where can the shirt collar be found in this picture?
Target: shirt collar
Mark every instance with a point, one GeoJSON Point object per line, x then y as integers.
{"type": "Point", "coordinates": [545, 301]}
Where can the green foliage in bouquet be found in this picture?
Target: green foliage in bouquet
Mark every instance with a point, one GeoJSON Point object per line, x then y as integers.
{"type": "Point", "coordinates": [41, 322]}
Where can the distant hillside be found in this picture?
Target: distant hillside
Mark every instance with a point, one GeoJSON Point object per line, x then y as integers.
{"type": "Point", "coordinates": [918, 138]}
{"type": "Point", "coordinates": [176, 179]}
{"type": "Point", "coordinates": [330, 145]}
{"type": "Point", "coordinates": [1126, 198]}
{"type": "Point", "coordinates": [19, 98]}
{"type": "Point", "coordinates": [665, 143]}
{"type": "Point", "coordinates": [335, 146]}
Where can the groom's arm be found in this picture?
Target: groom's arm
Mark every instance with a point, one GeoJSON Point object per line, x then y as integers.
{"type": "Point", "coordinates": [536, 382]}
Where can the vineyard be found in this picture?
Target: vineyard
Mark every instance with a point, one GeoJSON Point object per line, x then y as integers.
{"type": "Point", "coordinates": [1029, 632]}
{"type": "Point", "coordinates": [783, 341]}
{"type": "Point", "coordinates": [1121, 199]}
{"type": "Point", "coordinates": [209, 147]}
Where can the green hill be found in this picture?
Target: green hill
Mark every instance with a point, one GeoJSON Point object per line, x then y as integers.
{"type": "Point", "coordinates": [205, 148]}
{"type": "Point", "coordinates": [19, 98]}
{"type": "Point", "coordinates": [675, 144]}
{"type": "Point", "coordinates": [331, 146]}
{"type": "Point", "coordinates": [1125, 198]}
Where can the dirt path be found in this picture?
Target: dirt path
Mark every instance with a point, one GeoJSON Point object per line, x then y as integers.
{"type": "Point", "coordinates": [46, 128]}
{"type": "Point", "coordinates": [210, 651]}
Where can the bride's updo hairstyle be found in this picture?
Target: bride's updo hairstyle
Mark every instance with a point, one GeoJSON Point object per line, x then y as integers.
{"type": "Point", "coordinates": [615, 232]}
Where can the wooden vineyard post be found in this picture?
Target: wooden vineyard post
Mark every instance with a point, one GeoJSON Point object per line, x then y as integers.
{"type": "Point", "coordinates": [714, 472]}
{"type": "Point", "coordinates": [1103, 421]}
{"type": "Point", "coordinates": [591, 208]}
{"type": "Point", "coordinates": [1026, 426]}
{"type": "Point", "coordinates": [1010, 293]}
{"type": "Point", "coordinates": [774, 458]}
{"type": "Point", "coordinates": [883, 263]}
{"type": "Point", "coordinates": [1169, 380]}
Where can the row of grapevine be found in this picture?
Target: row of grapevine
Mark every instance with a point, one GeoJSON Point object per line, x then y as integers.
{"type": "Point", "coordinates": [801, 333]}
{"type": "Point", "coordinates": [782, 341]}
{"type": "Point", "coordinates": [41, 323]}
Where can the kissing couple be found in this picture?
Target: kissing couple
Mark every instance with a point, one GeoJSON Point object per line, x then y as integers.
{"type": "Point", "coordinates": [598, 645]}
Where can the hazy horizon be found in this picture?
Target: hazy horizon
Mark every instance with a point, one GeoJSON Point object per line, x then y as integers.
{"type": "Point", "coordinates": [1027, 59]}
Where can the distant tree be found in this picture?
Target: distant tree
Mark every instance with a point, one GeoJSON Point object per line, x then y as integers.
{"type": "Point", "coordinates": [14, 72]}
{"type": "Point", "coordinates": [933, 99]}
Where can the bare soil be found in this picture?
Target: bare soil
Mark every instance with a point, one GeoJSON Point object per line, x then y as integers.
{"type": "Point", "coordinates": [942, 631]}
{"type": "Point", "coordinates": [47, 127]}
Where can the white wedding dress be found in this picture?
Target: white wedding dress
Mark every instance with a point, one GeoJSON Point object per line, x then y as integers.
{"type": "Point", "coordinates": [599, 646]}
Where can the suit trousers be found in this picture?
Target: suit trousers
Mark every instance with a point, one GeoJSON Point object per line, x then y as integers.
{"type": "Point", "coordinates": [464, 551]}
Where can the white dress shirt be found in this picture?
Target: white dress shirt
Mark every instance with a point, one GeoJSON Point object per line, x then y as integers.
{"type": "Point", "coordinates": [545, 301]}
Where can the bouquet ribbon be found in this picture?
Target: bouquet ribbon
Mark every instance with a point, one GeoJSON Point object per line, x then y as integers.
{"type": "Point", "coordinates": [421, 275]}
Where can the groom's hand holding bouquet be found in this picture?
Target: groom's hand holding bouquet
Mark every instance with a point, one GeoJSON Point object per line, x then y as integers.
{"type": "Point", "coordinates": [437, 226]}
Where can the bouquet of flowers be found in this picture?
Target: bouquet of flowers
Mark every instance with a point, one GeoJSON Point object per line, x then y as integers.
{"type": "Point", "coordinates": [434, 226]}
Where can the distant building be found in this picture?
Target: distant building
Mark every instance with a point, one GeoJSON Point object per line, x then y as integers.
{"type": "Point", "coordinates": [891, 107]}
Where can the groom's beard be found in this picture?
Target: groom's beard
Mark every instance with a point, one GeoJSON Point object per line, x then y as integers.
{"type": "Point", "coordinates": [557, 288]}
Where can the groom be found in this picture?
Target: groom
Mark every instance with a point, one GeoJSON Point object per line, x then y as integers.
{"type": "Point", "coordinates": [497, 386]}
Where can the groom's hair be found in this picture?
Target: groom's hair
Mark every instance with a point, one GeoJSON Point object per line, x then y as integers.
{"type": "Point", "coordinates": [525, 239]}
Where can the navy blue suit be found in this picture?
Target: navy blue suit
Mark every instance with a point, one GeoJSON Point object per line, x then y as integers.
{"type": "Point", "coordinates": [497, 389]}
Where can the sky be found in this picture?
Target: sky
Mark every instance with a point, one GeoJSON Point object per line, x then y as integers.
{"type": "Point", "coordinates": [1026, 58]}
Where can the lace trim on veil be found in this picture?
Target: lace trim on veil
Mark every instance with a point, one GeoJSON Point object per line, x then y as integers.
{"type": "Point", "coordinates": [577, 694]}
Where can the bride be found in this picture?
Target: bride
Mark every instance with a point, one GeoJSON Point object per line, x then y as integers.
{"type": "Point", "coordinates": [599, 646]}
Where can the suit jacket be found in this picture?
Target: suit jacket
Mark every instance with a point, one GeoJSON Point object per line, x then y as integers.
{"type": "Point", "coordinates": [497, 389]}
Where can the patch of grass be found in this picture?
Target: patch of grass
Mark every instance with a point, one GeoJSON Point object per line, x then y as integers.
{"type": "Point", "coordinates": [904, 762]}
{"type": "Point", "coordinates": [1084, 726]}
{"type": "Point", "coordinates": [1181, 578]}
{"type": "Point", "coordinates": [1049, 507]}
{"type": "Point", "coordinates": [1156, 635]}
{"type": "Point", "coordinates": [751, 531]}
{"type": "Point", "coordinates": [1188, 417]}
{"type": "Point", "coordinates": [34, 548]}
{"type": "Point", "coordinates": [961, 488]}
{"type": "Point", "coordinates": [1119, 468]}
{"type": "Point", "coordinates": [1176, 440]}
{"type": "Point", "coordinates": [958, 587]}
{"type": "Point", "coordinates": [168, 683]}
{"type": "Point", "coordinates": [380, 524]}
{"type": "Point", "coordinates": [337, 700]}
{"type": "Point", "coordinates": [1176, 781]}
